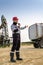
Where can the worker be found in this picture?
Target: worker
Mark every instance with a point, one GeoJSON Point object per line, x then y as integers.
{"type": "Point", "coordinates": [16, 40]}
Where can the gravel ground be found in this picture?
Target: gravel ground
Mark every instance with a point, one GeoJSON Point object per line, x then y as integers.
{"type": "Point", "coordinates": [30, 55]}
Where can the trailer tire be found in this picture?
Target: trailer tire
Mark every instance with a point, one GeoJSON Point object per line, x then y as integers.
{"type": "Point", "coordinates": [41, 43]}
{"type": "Point", "coordinates": [36, 45]}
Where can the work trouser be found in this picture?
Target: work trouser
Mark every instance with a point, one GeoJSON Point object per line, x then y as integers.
{"type": "Point", "coordinates": [16, 42]}
{"type": "Point", "coordinates": [16, 46]}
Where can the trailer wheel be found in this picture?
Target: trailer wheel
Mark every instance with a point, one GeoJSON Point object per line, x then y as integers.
{"type": "Point", "coordinates": [41, 43]}
{"type": "Point", "coordinates": [36, 45]}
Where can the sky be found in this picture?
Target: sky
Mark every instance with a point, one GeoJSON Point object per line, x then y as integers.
{"type": "Point", "coordinates": [28, 12]}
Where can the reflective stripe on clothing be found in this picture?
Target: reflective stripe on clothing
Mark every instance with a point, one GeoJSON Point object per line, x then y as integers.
{"type": "Point", "coordinates": [14, 27]}
{"type": "Point", "coordinates": [14, 51]}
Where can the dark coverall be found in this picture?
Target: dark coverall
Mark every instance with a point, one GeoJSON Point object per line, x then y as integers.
{"type": "Point", "coordinates": [16, 40]}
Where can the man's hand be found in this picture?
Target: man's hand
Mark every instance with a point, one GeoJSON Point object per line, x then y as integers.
{"type": "Point", "coordinates": [26, 26]}
{"type": "Point", "coordinates": [19, 25]}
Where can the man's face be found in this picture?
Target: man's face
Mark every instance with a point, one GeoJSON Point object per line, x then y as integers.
{"type": "Point", "coordinates": [16, 21]}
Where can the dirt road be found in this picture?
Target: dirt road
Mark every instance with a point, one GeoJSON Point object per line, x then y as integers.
{"type": "Point", "coordinates": [30, 55]}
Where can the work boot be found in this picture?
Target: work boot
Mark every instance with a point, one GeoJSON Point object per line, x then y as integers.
{"type": "Point", "coordinates": [12, 57]}
{"type": "Point", "coordinates": [18, 56]}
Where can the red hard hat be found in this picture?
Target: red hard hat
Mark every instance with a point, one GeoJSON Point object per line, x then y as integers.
{"type": "Point", "coordinates": [15, 18]}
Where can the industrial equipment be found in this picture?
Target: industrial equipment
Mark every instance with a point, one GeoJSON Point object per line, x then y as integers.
{"type": "Point", "coordinates": [36, 34]}
{"type": "Point", "coordinates": [4, 37]}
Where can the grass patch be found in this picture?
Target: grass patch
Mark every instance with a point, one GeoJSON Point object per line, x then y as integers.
{"type": "Point", "coordinates": [5, 45]}
{"type": "Point", "coordinates": [27, 43]}
{"type": "Point", "coordinates": [23, 43]}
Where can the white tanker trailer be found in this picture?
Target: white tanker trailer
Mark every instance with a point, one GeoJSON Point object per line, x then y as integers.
{"type": "Point", "coordinates": [36, 34]}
